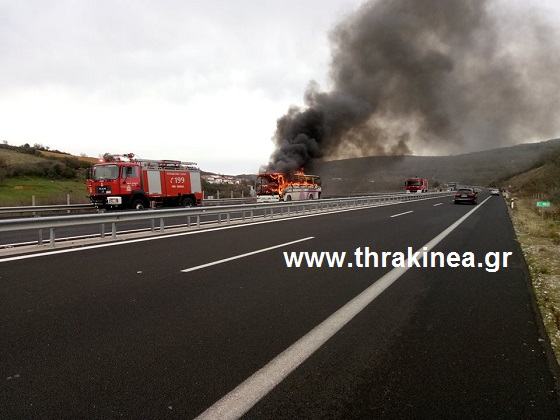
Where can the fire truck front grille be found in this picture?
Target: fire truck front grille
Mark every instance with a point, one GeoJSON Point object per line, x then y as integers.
{"type": "Point", "coordinates": [103, 190]}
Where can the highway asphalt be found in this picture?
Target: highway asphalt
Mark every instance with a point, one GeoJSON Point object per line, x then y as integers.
{"type": "Point", "coordinates": [214, 323]}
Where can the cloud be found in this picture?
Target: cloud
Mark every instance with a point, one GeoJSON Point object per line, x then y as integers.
{"type": "Point", "coordinates": [144, 46]}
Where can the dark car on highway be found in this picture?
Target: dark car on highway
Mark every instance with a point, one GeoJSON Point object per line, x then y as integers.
{"type": "Point", "coordinates": [466, 195]}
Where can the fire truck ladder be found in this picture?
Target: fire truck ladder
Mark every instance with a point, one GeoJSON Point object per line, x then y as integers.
{"type": "Point", "coordinates": [166, 164]}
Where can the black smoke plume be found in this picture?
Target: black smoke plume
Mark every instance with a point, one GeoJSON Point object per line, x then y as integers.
{"type": "Point", "coordinates": [427, 76]}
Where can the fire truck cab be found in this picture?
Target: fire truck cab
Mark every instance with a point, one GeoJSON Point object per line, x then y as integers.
{"type": "Point", "coordinates": [416, 185]}
{"type": "Point", "coordinates": [140, 183]}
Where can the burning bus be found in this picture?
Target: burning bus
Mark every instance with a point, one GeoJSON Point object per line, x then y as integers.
{"type": "Point", "coordinates": [277, 186]}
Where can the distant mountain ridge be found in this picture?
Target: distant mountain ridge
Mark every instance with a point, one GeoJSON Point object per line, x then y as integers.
{"type": "Point", "coordinates": [387, 173]}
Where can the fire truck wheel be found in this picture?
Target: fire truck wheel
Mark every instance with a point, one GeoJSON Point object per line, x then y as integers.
{"type": "Point", "coordinates": [138, 204]}
{"type": "Point", "coordinates": [311, 196]}
{"type": "Point", "coordinates": [288, 198]}
{"type": "Point", "coordinates": [187, 202]}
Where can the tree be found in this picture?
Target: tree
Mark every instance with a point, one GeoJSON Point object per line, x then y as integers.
{"type": "Point", "coordinates": [108, 157]}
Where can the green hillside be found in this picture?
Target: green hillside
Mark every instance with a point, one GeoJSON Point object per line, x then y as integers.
{"type": "Point", "coordinates": [29, 160]}
{"type": "Point", "coordinates": [543, 180]}
{"type": "Point", "coordinates": [49, 176]}
{"type": "Point", "coordinates": [387, 173]}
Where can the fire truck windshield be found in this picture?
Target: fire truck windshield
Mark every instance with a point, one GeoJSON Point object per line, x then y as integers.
{"type": "Point", "coordinates": [105, 172]}
{"type": "Point", "coordinates": [413, 182]}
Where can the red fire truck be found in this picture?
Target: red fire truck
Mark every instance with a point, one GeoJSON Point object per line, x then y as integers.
{"type": "Point", "coordinates": [129, 182]}
{"type": "Point", "coordinates": [415, 185]}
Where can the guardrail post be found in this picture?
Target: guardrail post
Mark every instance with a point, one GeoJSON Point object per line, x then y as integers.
{"type": "Point", "coordinates": [198, 221]}
{"type": "Point", "coordinates": [161, 225]}
{"type": "Point", "coordinates": [228, 214]}
{"type": "Point", "coordinates": [102, 233]}
{"type": "Point", "coordinates": [114, 230]}
{"type": "Point", "coordinates": [51, 237]}
{"type": "Point", "coordinates": [251, 215]}
{"type": "Point", "coordinates": [40, 237]}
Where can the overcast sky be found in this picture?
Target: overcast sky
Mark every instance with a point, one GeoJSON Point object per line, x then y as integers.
{"type": "Point", "coordinates": [196, 80]}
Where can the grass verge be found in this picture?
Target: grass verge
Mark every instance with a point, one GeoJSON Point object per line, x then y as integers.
{"type": "Point", "coordinates": [19, 191]}
{"type": "Point", "coordinates": [540, 241]}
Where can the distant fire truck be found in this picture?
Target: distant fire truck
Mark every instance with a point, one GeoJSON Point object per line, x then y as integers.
{"type": "Point", "coordinates": [276, 186]}
{"type": "Point", "coordinates": [129, 182]}
{"type": "Point", "coordinates": [416, 185]}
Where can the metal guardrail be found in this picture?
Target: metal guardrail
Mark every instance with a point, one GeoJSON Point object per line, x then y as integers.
{"type": "Point", "coordinates": [37, 210]}
{"type": "Point", "coordinates": [194, 215]}
{"type": "Point", "coordinates": [226, 201]}
{"type": "Point", "coordinates": [43, 209]}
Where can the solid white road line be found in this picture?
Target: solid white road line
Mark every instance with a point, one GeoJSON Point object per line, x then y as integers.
{"type": "Point", "coordinates": [198, 267]}
{"type": "Point", "coordinates": [400, 214]}
{"type": "Point", "coordinates": [438, 204]}
{"type": "Point", "coordinates": [253, 389]}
